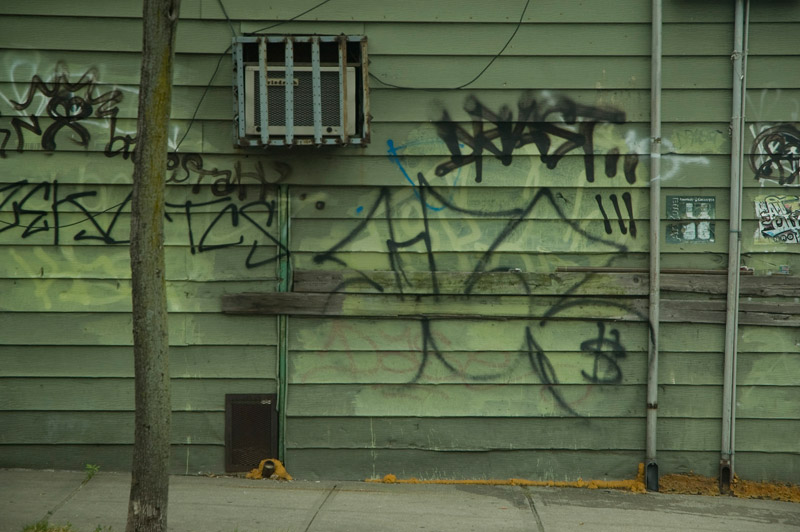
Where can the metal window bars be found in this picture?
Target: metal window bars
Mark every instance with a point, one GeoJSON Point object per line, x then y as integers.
{"type": "Point", "coordinates": [298, 114]}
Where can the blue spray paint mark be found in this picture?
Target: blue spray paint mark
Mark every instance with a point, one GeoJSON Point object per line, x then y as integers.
{"type": "Point", "coordinates": [359, 209]}
{"type": "Point", "coordinates": [392, 151]}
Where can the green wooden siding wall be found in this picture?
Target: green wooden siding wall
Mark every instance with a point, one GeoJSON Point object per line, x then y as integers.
{"type": "Point", "coordinates": [405, 355]}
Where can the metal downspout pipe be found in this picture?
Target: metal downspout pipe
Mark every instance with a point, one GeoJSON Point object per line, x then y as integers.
{"type": "Point", "coordinates": [651, 466]}
{"type": "Point", "coordinates": [726, 465]}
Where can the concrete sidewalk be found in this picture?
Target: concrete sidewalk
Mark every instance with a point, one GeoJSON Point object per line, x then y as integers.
{"type": "Point", "coordinates": [226, 504]}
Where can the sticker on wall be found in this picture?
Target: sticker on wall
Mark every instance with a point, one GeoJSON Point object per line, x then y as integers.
{"type": "Point", "coordinates": [778, 219]}
{"type": "Point", "coordinates": [693, 215]}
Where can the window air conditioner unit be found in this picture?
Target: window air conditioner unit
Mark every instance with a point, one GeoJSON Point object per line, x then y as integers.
{"type": "Point", "coordinates": [293, 90]}
{"type": "Point", "coordinates": [303, 100]}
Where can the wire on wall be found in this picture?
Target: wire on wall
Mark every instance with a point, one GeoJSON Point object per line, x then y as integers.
{"type": "Point", "coordinates": [224, 53]}
{"type": "Point", "coordinates": [473, 80]}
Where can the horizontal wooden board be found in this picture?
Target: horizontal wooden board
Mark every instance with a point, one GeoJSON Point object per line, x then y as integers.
{"type": "Point", "coordinates": [529, 235]}
{"type": "Point", "coordinates": [767, 436]}
{"type": "Point", "coordinates": [686, 105]}
{"type": "Point", "coordinates": [471, 400]}
{"type": "Point", "coordinates": [474, 11]}
{"type": "Point", "coordinates": [464, 203]}
{"type": "Point", "coordinates": [113, 262]}
{"type": "Point", "coordinates": [349, 464]}
{"type": "Point", "coordinates": [435, 306]}
{"type": "Point", "coordinates": [449, 12]}
{"type": "Point", "coordinates": [106, 66]}
{"type": "Point", "coordinates": [752, 402]}
{"type": "Point", "coordinates": [203, 232]}
{"type": "Point", "coordinates": [769, 467]}
{"type": "Point", "coordinates": [776, 314]}
{"type": "Point", "coordinates": [184, 459]}
{"type": "Point", "coordinates": [487, 367]}
{"type": "Point", "coordinates": [352, 334]}
{"type": "Point", "coordinates": [534, 465]}
{"type": "Point", "coordinates": [67, 295]}
{"type": "Point", "coordinates": [490, 282]}
{"type": "Point", "coordinates": [348, 167]}
{"type": "Point", "coordinates": [186, 362]}
{"type": "Point", "coordinates": [96, 197]}
{"type": "Point", "coordinates": [355, 465]}
{"type": "Point", "coordinates": [105, 428]}
{"type": "Point", "coordinates": [124, 35]}
{"type": "Point", "coordinates": [466, 434]}
{"type": "Point", "coordinates": [601, 281]}
{"type": "Point", "coordinates": [84, 328]}
{"type": "Point", "coordinates": [82, 394]}
{"type": "Point", "coordinates": [367, 368]}
{"type": "Point", "coordinates": [490, 202]}
{"type": "Point", "coordinates": [484, 434]}
{"type": "Point", "coordinates": [415, 72]}
{"type": "Point", "coordinates": [767, 402]}
{"type": "Point", "coordinates": [532, 262]}
{"type": "Point", "coordinates": [764, 263]}
{"type": "Point", "coordinates": [563, 38]}
{"type": "Point", "coordinates": [442, 434]}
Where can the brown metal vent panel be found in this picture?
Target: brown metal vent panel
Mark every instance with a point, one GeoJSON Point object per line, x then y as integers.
{"type": "Point", "coordinates": [250, 430]}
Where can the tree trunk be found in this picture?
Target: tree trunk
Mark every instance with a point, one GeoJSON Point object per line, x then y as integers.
{"type": "Point", "coordinates": [147, 506]}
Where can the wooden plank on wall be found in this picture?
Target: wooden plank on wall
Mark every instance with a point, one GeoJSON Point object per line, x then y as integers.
{"type": "Point", "coordinates": [84, 328]}
{"type": "Point", "coordinates": [482, 306]}
{"type": "Point", "coordinates": [184, 459]}
{"type": "Point", "coordinates": [354, 334]}
{"type": "Point", "coordinates": [212, 361]}
{"type": "Point", "coordinates": [403, 367]}
{"type": "Point", "coordinates": [449, 400]}
{"type": "Point", "coordinates": [82, 394]}
{"type": "Point", "coordinates": [350, 464]}
{"type": "Point", "coordinates": [113, 263]}
{"type": "Point", "coordinates": [103, 428]}
{"type": "Point", "coordinates": [465, 434]}
{"type": "Point", "coordinates": [555, 283]}
{"type": "Point", "coordinates": [776, 314]}
{"type": "Point", "coordinates": [476, 434]}
{"type": "Point", "coordinates": [64, 295]}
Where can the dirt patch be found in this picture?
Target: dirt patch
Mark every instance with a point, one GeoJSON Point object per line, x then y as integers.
{"type": "Point", "coordinates": [688, 484]}
{"type": "Point", "coordinates": [685, 484]}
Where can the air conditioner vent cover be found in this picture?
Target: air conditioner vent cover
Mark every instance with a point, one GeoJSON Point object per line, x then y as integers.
{"type": "Point", "coordinates": [291, 89]}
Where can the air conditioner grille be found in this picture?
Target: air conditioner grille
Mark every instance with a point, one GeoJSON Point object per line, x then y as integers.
{"type": "Point", "coordinates": [303, 99]}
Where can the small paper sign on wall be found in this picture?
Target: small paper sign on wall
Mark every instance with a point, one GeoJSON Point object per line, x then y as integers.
{"type": "Point", "coordinates": [693, 217]}
{"type": "Point", "coordinates": [778, 218]}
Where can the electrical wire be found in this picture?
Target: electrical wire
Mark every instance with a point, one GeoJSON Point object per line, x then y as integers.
{"type": "Point", "coordinates": [205, 91]}
{"type": "Point", "coordinates": [222, 55]}
{"type": "Point", "coordinates": [225, 12]}
{"type": "Point", "coordinates": [291, 19]}
{"type": "Point", "coordinates": [473, 80]}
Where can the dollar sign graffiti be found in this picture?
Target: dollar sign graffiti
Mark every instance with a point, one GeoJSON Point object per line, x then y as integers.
{"type": "Point", "coordinates": [608, 350]}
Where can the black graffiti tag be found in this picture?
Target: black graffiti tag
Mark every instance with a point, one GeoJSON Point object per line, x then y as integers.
{"type": "Point", "coordinates": [556, 129]}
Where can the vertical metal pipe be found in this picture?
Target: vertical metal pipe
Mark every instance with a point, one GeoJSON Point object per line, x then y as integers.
{"type": "Point", "coordinates": [284, 284]}
{"type": "Point", "coordinates": [726, 461]}
{"type": "Point", "coordinates": [651, 466]}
